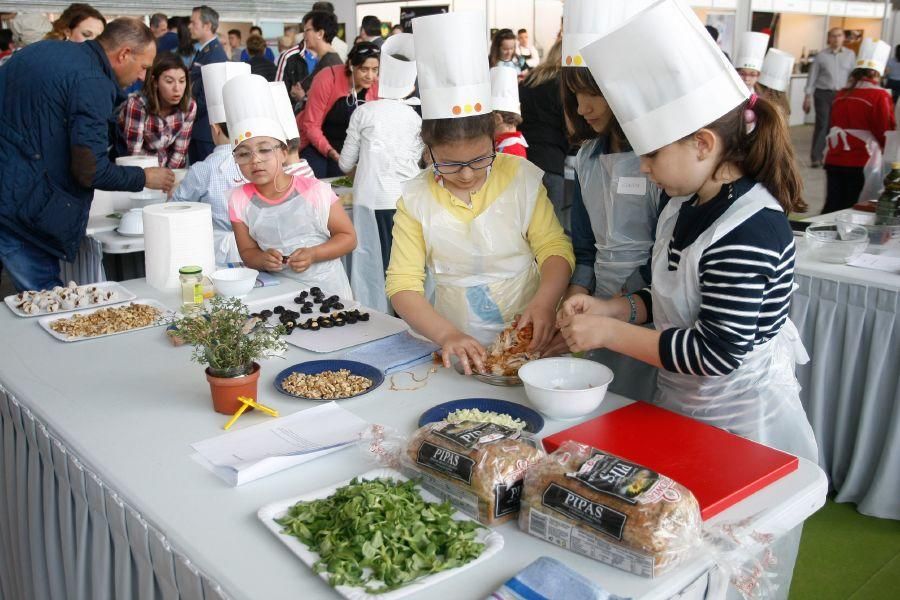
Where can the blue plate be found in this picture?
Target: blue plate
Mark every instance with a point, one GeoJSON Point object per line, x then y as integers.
{"type": "Point", "coordinates": [533, 421]}
{"type": "Point", "coordinates": [317, 366]}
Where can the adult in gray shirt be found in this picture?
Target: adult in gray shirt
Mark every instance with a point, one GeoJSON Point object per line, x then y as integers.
{"type": "Point", "coordinates": [828, 74]}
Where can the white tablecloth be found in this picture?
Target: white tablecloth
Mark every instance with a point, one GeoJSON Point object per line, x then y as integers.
{"type": "Point", "coordinates": [101, 500]}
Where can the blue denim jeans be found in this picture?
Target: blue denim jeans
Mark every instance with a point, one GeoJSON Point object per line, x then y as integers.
{"type": "Point", "coordinates": [30, 267]}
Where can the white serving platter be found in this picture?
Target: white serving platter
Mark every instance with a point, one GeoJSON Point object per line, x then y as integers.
{"type": "Point", "coordinates": [122, 295]}
{"type": "Point", "coordinates": [46, 320]}
{"type": "Point", "coordinates": [333, 339]}
{"type": "Point", "coordinates": [492, 540]}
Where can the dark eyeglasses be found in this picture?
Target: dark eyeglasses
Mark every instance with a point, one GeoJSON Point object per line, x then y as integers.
{"type": "Point", "coordinates": [449, 168]}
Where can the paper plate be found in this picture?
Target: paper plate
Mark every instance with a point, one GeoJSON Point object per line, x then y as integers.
{"type": "Point", "coordinates": [313, 367]}
{"type": "Point", "coordinates": [533, 421]}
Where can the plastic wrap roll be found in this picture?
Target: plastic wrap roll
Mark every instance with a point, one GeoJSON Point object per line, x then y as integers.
{"type": "Point", "coordinates": [177, 234]}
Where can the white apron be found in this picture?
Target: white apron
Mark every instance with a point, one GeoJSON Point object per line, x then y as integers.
{"type": "Point", "coordinates": [760, 400]}
{"type": "Point", "coordinates": [484, 271]}
{"type": "Point", "coordinates": [225, 247]}
{"type": "Point", "coordinates": [622, 206]}
{"type": "Point", "coordinates": [293, 224]}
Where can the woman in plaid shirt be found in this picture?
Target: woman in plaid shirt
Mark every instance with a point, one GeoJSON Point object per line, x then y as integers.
{"type": "Point", "coordinates": [159, 119]}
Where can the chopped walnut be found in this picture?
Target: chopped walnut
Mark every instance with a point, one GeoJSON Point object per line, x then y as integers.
{"type": "Point", "coordinates": [107, 320]}
{"type": "Point", "coordinates": [327, 385]}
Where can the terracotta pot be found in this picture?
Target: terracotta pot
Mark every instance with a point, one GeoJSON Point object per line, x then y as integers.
{"type": "Point", "coordinates": [225, 390]}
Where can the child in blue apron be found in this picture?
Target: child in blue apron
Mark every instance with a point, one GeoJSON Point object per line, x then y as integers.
{"type": "Point", "coordinates": [282, 223]}
{"type": "Point", "coordinates": [723, 259]}
{"type": "Point", "coordinates": [479, 223]}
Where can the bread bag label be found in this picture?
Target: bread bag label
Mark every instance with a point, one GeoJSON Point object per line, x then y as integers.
{"type": "Point", "coordinates": [470, 435]}
{"type": "Point", "coordinates": [577, 507]}
{"type": "Point", "coordinates": [507, 498]}
{"type": "Point", "coordinates": [451, 464]}
{"type": "Point", "coordinates": [616, 477]}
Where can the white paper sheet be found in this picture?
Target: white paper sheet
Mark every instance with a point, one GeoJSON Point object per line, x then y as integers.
{"type": "Point", "coordinates": [879, 262]}
{"type": "Point", "coordinates": [277, 444]}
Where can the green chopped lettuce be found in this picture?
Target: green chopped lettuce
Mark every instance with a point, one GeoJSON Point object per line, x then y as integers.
{"type": "Point", "coordinates": [342, 182]}
{"type": "Point", "coordinates": [381, 535]}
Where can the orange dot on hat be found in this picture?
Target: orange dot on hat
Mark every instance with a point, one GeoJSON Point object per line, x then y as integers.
{"type": "Point", "coordinates": [478, 107]}
{"type": "Point", "coordinates": [457, 109]}
{"type": "Point", "coordinates": [248, 134]}
{"type": "Point", "coordinates": [568, 60]}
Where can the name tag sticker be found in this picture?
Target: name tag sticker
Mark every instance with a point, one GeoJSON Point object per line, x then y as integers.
{"type": "Point", "coordinates": [633, 186]}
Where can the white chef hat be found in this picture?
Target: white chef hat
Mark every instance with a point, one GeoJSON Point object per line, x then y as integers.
{"type": "Point", "coordinates": [250, 111]}
{"type": "Point", "coordinates": [873, 54]}
{"type": "Point", "coordinates": [505, 89]}
{"type": "Point", "coordinates": [397, 78]}
{"type": "Point", "coordinates": [777, 70]}
{"type": "Point", "coordinates": [584, 21]}
{"type": "Point", "coordinates": [663, 76]}
{"type": "Point", "coordinates": [214, 78]}
{"type": "Point", "coordinates": [452, 63]}
{"type": "Point", "coordinates": [752, 50]}
{"type": "Point", "coordinates": [284, 109]}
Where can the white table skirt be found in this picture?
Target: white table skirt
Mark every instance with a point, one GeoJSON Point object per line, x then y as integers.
{"type": "Point", "coordinates": [101, 500]}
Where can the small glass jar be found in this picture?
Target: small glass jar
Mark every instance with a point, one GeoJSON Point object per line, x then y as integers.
{"type": "Point", "coordinates": [191, 278]}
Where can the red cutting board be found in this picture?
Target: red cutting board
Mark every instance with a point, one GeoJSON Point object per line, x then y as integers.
{"type": "Point", "coordinates": [720, 468]}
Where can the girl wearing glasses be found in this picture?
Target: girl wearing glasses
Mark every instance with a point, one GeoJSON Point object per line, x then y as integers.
{"type": "Point", "coordinates": [334, 95]}
{"type": "Point", "coordinates": [479, 223]}
{"type": "Point", "coordinates": [282, 223]}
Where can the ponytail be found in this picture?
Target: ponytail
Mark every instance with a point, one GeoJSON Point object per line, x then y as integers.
{"type": "Point", "coordinates": [764, 153]}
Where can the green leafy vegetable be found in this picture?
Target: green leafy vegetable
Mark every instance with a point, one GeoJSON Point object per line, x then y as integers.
{"type": "Point", "coordinates": [343, 182]}
{"type": "Point", "coordinates": [381, 535]}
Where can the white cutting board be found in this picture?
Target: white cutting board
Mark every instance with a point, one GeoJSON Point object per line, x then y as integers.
{"type": "Point", "coordinates": [378, 326]}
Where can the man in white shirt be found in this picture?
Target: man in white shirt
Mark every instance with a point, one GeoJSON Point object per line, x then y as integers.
{"type": "Point", "coordinates": [829, 73]}
{"type": "Point", "coordinates": [526, 49]}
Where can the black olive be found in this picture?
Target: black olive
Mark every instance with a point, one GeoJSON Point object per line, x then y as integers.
{"type": "Point", "coordinates": [325, 308]}
{"type": "Point", "coordinates": [339, 322]}
{"type": "Point", "coordinates": [306, 310]}
{"type": "Point", "coordinates": [364, 316]}
{"type": "Point", "coordinates": [304, 325]}
{"type": "Point", "coordinates": [327, 324]}
{"type": "Point", "coordinates": [289, 328]}
{"type": "Point", "coordinates": [278, 310]}
{"type": "Point", "coordinates": [299, 299]}
{"type": "Point", "coordinates": [314, 291]}
{"type": "Point", "coordinates": [352, 320]}
{"type": "Point", "coordinates": [265, 314]}
{"type": "Point", "coordinates": [339, 306]}
{"type": "Point", "coordinates": [333, 299]}
{"type": "Point", "coordinates": [314, 326]}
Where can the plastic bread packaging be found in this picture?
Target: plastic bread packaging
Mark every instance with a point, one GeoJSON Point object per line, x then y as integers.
{"type": "Point", "coordinates": [477, 467]}
{"type": "Point", "coordinates": [610, 509]}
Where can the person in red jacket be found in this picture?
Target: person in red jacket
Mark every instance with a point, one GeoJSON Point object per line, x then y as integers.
{"type": "Point", "coordinates": [861, 114]}
{"type": "Point", "coordinates": [334, 95]}
{"type": "Point", "coordinates": [507, 112]}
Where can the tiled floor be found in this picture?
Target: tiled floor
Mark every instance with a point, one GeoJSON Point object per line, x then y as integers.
{"type": "Point", "coordinates": [813, 179]}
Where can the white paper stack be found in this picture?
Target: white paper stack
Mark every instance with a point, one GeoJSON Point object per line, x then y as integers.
{"type": "Point", "coordinates": [247, 454]}
{"type": "Point", "coordinates": [177, 234]}
{"type": "Point", "coordinates": [139, 160]}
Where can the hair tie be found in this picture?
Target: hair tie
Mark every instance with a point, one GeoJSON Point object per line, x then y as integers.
{"type": "Point", "coordinates": [750, 114]}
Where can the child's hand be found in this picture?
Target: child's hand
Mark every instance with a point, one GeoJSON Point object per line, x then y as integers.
{"type": "Point", "coordinates": [543, 318]}
{"type": "Point", "coordinates": [557, 346]}
{"type": "Point", "coordinates": [302, 259]}
{"type": "Point", "coordinates": [583, 331]}
{"type": "Point", "coordinates": [271, 260]}
{"type": "Point", "coordinates": [467, 349]}
{"type": "Point", "coordinates": [582, 304]}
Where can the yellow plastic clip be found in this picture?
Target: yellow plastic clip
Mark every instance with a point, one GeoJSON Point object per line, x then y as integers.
{"type": "Point", "coordinates": [248, 403]}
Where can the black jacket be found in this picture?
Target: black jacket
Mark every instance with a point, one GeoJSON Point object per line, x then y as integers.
{"type": "Point", "coordinates": [544, 126]}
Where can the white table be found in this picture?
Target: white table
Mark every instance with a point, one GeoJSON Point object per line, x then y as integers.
{"type": "Point", "coordinates": [102, 432]}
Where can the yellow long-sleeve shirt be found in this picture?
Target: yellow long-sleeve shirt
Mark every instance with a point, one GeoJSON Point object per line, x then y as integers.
{"type": "Point", "coordinates": [545, 235]}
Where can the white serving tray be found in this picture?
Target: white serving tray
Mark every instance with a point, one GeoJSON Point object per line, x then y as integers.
{"type": "Point", "coordinates": [492, 540]}
{"type": "Point", "coordinates": [45, 321]}
{"type": "Point", "coordinates": [122, 295]}
{"type": "Point", "coordinates": [377, 327]}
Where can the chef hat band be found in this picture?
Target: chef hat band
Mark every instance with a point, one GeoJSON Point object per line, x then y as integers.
{"type": "Point", "coordinates": [452, 65]}
{"type": "Point", "coordinates": [663, 75]}
{"type": "Point", "coordinates": [752, 51]}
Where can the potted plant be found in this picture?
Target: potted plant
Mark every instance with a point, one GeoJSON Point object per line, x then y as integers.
{"type": "Point", "coordinates": [229, 342]}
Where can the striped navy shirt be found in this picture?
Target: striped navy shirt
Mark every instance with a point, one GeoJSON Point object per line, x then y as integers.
{"type": "Point", "coordinates": [746, 281]}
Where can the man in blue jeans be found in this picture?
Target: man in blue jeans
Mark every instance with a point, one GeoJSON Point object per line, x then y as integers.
{"type": "Point", "coordinates": [57, 103]}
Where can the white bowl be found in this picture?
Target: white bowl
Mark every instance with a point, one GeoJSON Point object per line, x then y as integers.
{"type": "Point", "coordinates": [881, 237]}
{"type": "Point", "coordinates": [132, 222]}
{"type": "Point", "coordinates": [234, 282]}
{"type": "Point", "coordinates": [832, 244]}
{"type": "Point", "coordinates": [565, 388]}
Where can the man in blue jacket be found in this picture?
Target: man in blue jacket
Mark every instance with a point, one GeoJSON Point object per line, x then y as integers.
{"type": "Point", "coordinates": [57, 105]}
{"type": "Point", "coordinates": [203, 26]}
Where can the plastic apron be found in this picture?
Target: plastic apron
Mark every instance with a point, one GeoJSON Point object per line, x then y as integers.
{"type": "Point", "coordinates": [293, 224]}
{"type": "Point", "coordinates": [367, 274]}
{"type": "Point", "coordinates": [484, 271]}
{"type": "Point", "coordinates": [760, 400]}
{"type": "Point", "coordinates": [224, 242]}
{"type": "Point", "coordinates": [872, 172]}
{"type": "Point", "coordinates": [622, 206]}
